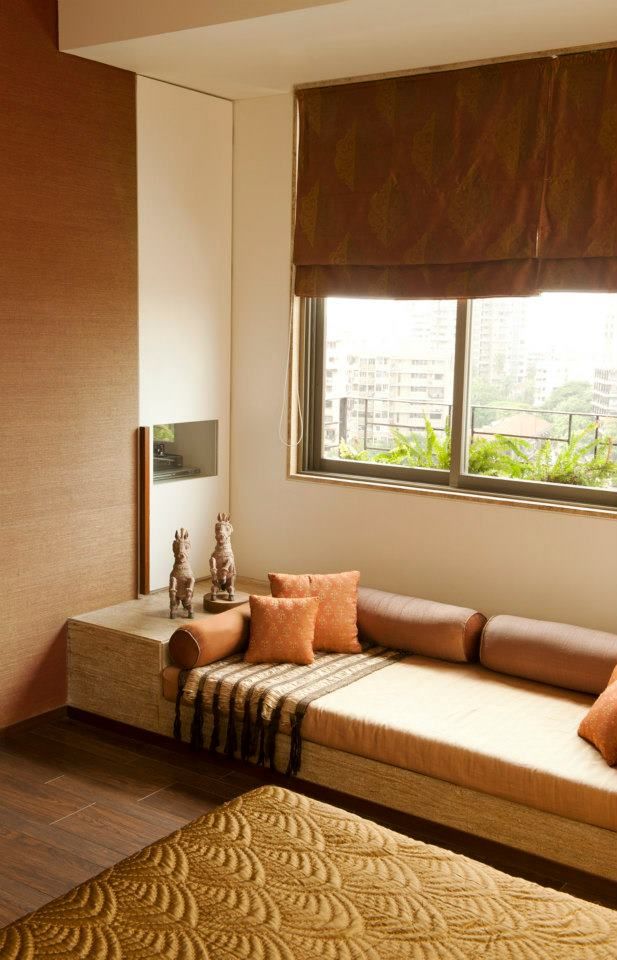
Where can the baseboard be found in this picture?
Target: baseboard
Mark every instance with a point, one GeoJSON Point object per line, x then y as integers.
{"type": "Point", "coordinates": [128, 730]}
{"type": "Point", "coordinates": [35, 721]}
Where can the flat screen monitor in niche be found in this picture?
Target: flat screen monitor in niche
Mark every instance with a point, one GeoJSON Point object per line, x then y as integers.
{"type": "Point", "coordinates": [181, 451]}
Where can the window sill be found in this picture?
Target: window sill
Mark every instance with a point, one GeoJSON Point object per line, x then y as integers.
{"type": "Point", "coordinates": [449, 493]}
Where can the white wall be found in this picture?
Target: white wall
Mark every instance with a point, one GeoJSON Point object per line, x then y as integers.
{"type": "Point", "coordinates": [184, 186]}
{"type": "Point", "coordinates": [496, 558]}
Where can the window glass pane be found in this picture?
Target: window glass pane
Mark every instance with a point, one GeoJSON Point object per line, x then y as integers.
{"type": "Point", "coordinates": [388, 375]}
{"type": "Point", "coordinates": [543, 389]}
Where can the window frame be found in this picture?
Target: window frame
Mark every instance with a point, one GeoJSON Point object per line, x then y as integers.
{"type": "Point", "coordinates": [311, 462]}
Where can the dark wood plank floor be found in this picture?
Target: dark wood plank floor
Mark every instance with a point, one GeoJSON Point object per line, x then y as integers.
{"type": "Point", "coordinates": [76, 798]}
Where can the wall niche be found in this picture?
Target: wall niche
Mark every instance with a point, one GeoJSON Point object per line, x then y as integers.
{"type": "Point", "coordinates": [184, 451]}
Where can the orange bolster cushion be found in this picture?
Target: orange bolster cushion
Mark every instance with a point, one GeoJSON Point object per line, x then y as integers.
{"type": "Point", "coordinates": [171, 677]}
{"type": "Point", "coordinates": [199, 642]}
{"type": "Point", "coordinates": [599, 726]}
{"type": "Point", "coordinates": [563, 655]}
{"type": "Point", "coordinates": [336, 628]}
{"type": "Point", "coordinates": [423, 627]}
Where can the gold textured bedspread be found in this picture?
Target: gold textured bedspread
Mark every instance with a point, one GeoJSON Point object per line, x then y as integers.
{"type": "Point", "coordinates": [275, 876]}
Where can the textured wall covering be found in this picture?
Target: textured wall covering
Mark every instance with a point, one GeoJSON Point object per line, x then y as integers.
{"type": "Point", "coordinates": [68, 349]}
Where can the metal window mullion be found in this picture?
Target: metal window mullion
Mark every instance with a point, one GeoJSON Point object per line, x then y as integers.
{"type": "Point", "coordinates": [319, 375]}
{"type": "Point", "coordinates": [459, 395]}
{"type": "Point", "coordinates": [313, 383]}
{"type": "Point", "coordinates": [304, 414]}
{"type": "Point", "coordinates": [306, 389]}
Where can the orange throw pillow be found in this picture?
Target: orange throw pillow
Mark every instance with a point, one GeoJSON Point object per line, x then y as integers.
{"type": "Point", "coordinates": [282, 631]}
{"type": "Point", "coordinates": [599, 726]}
{"type": "Point", "coordinates": [336, 629]}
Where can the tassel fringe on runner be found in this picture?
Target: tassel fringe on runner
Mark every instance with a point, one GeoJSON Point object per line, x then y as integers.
{"type": "Point", "coordinates": [260, 700]}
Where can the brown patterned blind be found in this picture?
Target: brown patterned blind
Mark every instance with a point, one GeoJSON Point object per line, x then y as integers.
{"type": "Point", "coordinates": [578, 230]}
{"type": "Point", "coordinates": [489, 181]}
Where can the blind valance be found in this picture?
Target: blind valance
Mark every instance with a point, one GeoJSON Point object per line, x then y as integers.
{"type": "Point", "coordinates": [497, 180]}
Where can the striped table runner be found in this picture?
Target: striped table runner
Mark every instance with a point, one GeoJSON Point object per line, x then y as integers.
{"type": "Point", "coordinates": [264, 699]}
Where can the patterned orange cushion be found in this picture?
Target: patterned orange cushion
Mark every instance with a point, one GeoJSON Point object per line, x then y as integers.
{"type": "Point", "coordinates": [599, 726]}
{"type": "Point", "coordinates": [337, 627]}
{"type": "Point", "coordinates": [282, 631]}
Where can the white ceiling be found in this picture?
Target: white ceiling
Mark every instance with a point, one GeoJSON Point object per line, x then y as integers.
{"type": "Point", "coordinates": [87, 22]}
{"type": "Point", "coordinates": [270, 53]}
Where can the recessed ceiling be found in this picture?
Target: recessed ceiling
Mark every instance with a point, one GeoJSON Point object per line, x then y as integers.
{"type": "Point", "coordinates": [262, 53]}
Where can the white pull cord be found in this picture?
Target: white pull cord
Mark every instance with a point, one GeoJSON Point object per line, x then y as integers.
{"type": "Point", "coordinates": [283, 433]}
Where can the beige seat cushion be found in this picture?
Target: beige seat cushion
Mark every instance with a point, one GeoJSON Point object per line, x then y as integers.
{"type": "Point", "coordinates": [511, 738]}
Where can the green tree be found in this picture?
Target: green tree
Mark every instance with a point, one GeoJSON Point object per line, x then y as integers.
{"type": "Point", "coordinates": [575, 396]}
{"type": "Point", "coordinates": [489, 398]}
{"type": "Point", "coordinates": [164, 432]}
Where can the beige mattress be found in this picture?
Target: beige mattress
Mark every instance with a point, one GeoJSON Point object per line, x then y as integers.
{"type": "Point", "coordinates": [511, 738]}
{"type": "Point", "coordinates": [276, 876]}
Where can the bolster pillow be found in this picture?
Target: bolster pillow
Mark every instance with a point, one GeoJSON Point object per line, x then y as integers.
{"type": "Point", "coordinates": [557, 653]}
{"type": "Point", "coordinates": [171, 678]}
{"type": "Point", "coordinates": [198, 642]}
{"type": "Point", "coordinates": [420, 626]}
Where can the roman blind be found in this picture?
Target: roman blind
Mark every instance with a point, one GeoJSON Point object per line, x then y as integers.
{"type": "Point", "coordinates": [578, 226]}
{"type": "Point", "coordinates": [498, 180]}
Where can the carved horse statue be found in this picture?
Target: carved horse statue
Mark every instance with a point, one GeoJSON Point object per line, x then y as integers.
{"type": "Point", "coordinates": [181, 579]}
{"type": "Point", "coordinates": [222, 563]}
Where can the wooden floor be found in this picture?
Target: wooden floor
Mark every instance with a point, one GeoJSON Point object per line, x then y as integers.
{"type": "Point", "coordinates": [76, 798]}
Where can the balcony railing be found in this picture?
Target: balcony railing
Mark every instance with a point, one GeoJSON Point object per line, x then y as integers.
{"type": "Point", "coordinates": [357, 409]}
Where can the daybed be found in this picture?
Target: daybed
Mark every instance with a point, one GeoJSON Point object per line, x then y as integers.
{"type": "Point", "coordinates": [455, 741]}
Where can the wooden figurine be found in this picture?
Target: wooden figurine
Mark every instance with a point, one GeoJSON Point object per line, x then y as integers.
{"type": "Point", "coordinates": [222, 564]}
{"type": "Point", "coordinates": [181, 579]}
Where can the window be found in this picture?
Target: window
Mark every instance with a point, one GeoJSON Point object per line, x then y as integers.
{"type": "Point", "coordinates": [509, 396]}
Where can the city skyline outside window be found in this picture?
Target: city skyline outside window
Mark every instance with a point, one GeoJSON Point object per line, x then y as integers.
{"type": "Point", "coordinates": [388, 369]}
{"type": "Point", "coordinates": [542, 386]}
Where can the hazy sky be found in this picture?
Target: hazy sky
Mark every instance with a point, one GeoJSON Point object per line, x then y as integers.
{"type": "Point", "coordinates": [572, 326]}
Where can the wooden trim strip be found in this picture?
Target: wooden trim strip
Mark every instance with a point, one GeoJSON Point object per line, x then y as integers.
{"type": "Point", "coordinates": [460, 65]}
{"type": "Point", "coordinates": [144, 445]}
